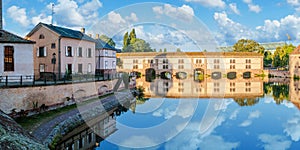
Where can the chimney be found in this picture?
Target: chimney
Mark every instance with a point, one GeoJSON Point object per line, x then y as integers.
{"type": "Point", "coordinates": [90, 35]}
{"type": "Point", "coordinates": [1, 27]}
{"type": "Point", "coordinates": [83, 30]}
{"type": "Point", "coordinates": [97, 36]}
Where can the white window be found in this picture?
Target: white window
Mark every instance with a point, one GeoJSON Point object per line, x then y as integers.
{"type": "Point", "coordinates": [42, 67]}
{"type": "Point", "coordinates": [114, 64]}
{"type": "Point", "coordinates": [89, 67]}
{"type": "Point", "coordinates": [89, 53]}
{"type": "Point", "coordinates": [79, 52]}
{"type": "Point", "coordinates": [106, 53]}
{"type": "Point", "coordinates": [41, 52]}
{"type": "Point", "coordinates": [69, 51]}
{"type": "Point", "coordinates": [79, 68]}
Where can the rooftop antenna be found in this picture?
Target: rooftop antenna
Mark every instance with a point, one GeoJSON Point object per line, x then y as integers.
{"type": "Point", "coordinates": [52, 13]}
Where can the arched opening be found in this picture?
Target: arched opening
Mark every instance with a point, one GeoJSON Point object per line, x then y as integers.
{"type": "Point", "coordinates": [166, 75]}
{"type": "Point", "coordinates": [247, 75]}
{"type": "Point", "coordinates": [102, 90]}
{"type": "Point", "coordinates": [199, 74]}
{"type": "Point", "coordinates": [181, 75]}
{"type": "Point", "coordinates": [150, 74]}
{"type": "Point", "coordinates": [231, 75]}
{"type": "Point", "coordinates": [216, 75]}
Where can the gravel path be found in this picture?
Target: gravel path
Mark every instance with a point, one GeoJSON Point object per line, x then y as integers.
{"type": "Point", "coordinates": [45, 129]}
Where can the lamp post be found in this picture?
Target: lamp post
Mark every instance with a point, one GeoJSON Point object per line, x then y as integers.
{"type": "Point", "coordinates": [53, 61]}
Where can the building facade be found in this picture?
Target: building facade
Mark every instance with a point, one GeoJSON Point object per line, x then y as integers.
{"type": "Point", "coordinates": [198, 64]}
{"type": "Point", "coordinates": [294, 63]}
{"type": "Point", "coordinates": [16, 57]}
{"type": "Point", "coordinates": [105, 58]}
{"type": "Point", "coordinates": [62, 51]}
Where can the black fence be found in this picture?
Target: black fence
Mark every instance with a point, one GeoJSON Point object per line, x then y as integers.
{"type": "Point", "coordinates": [53, 79]}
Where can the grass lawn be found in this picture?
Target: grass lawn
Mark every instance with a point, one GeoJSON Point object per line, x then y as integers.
{"type": "Point", "coordinates": [31, 123]}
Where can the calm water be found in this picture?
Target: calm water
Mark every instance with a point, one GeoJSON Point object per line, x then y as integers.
{"type": "Point", "coordinates": [269, 121]}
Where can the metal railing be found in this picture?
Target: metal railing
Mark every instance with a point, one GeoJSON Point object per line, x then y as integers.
{"type": "Point", "coordinates": [53, 79]}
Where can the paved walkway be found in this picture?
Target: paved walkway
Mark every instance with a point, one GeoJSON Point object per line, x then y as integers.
{"type": "Point", "coordinates": [42, 132]}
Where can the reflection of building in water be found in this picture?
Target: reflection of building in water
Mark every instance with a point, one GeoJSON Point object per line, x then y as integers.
{"type": "Point", "coordinates": [294, 62]}
{"type": "Point", "coordinates": [215, 64]}
{"type": "Point", "coordinates": [93, 131]}
{"type": "Point", "coordinates": [294, 92]}
{"type": "Point", "coordinates": [238, 88]}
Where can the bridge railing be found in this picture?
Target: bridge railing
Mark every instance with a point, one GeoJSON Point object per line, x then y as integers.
{"type": "Point", "coordinates": [53, 79]}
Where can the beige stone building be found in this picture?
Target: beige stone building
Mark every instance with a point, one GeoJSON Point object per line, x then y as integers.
{"type": "Point", "coordinates": [294, 63]}
{"type": "Point", "coordinates": [210, 64]}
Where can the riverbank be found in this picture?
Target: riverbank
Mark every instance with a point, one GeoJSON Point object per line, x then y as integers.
{"type": "Point", "coordinates": [49, 131]}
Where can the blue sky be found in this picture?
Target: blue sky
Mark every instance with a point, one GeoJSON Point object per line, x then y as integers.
{"type": "Point", "coordinates": [185, 24]}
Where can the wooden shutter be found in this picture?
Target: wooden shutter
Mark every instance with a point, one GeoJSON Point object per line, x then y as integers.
{"type": "Point", "coordinates": [66, 48]}
{"type": "Point", "coordinates": [72, 51]}
{"type": "Point", "coordinates": [37, 52]}
{"type": "Point", "coordinates": [45, 51]}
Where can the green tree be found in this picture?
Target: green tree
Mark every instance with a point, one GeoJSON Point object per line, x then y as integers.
{"type": "Point", "coordinates": [281, 55]}
{"type": "Point", "coordinates": [154, 50]}
{"type": "Point", "coordinates": [165, 50]}
{"type": "Point", "coordinates": [108, 40]}
{"type": "Point", "coordinates": [178, 50]}
{"type": "Point", "coordinates": [160, 50]}
{"type": "Point", "coordinates": [133, 44]}
{"type": "Point", "coordinates": [247, 45]}
{"type": "Point", "coordinates": [268, 58]}
{"type": "Point", "coordinates": [132, 36]}
{"type": "Point", "coordinates": [126, 40]}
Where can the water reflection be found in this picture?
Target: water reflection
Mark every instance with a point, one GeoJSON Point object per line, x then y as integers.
{"type": "Point", "coordinates": [90, 134]}
{"type": "Point", "coordinates": [188, 87]}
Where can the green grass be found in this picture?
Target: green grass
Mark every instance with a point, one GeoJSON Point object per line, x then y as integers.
{"type": "Point", "coordinates": [32, 122]}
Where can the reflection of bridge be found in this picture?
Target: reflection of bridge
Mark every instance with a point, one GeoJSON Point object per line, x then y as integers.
{"type": "Point", "coordinates": [237, 88]}
{"type": "Point", "coordinates": [197, 64]}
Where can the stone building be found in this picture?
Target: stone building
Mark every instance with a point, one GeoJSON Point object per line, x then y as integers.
{"type": "Point", "coordinates": [198, 64]}
{"type": "Point", "coordinates": [62, 51]}
{"type": "Point", "coordinates": [294, 63]}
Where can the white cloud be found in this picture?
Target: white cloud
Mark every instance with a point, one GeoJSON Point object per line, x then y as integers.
{"type": "Point", "coordinates": [210, 3]}
{"type": "Point", "coordinates": [293, 2]}
{"type": "Point", "coordinates": [272, 30]}
{"type": "Point", "coordinates": [255, 114]}
{"type": "Point", "coordinates": [41, 18]}
{"type": "Point", "coordinates": [233, 8]}
{"type": "Point", "coordinates": [234, 114]}
{"type": "Point", "coordinates": [292, 128]}
{"type": "Point", "coordinates": [252, 7]}
{"type": "Point", "coordinates": [183, 13]}
{"type": "Point", "coordinates": [246, 123]}
{"type": "Point", "coordinates": [19, 15]}
{"type": "Point", "coordinates": [252, 115]}
{"type": "Point", "coordinates": [132, 17]}
{"type": "Point", "coordinates": [272, 142]}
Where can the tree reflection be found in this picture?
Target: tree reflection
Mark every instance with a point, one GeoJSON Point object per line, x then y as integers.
{"type": "Point", "coordinates": [280, 92]}
{"type": "Point", "coordinates": [246, 101]}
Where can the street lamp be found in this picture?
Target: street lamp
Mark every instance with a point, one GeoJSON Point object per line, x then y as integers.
{"type": "Point", "coordinates": [53, 61]}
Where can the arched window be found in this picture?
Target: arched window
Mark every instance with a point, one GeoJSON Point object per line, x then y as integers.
{"type": "Point", "coordinates": [42, 36]}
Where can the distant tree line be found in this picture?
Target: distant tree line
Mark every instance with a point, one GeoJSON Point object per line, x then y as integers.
{"type": "Point", "coordinates": [280, 58]}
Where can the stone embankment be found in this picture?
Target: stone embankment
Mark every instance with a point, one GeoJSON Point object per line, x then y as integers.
{"type": "Point", "coordinates": [65, 123]}
{"type": "Point", "coordinates": [13, 137]}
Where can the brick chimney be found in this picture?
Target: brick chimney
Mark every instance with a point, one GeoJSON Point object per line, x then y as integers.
{"type": "Point", "coordinates": [1, 26]}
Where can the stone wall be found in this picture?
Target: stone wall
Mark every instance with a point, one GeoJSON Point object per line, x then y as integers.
{"type": "Point", "coordinates": [23, 98]}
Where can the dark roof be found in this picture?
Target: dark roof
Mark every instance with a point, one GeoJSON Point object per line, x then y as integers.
{"type": "Point", "coordinates": [100, 44]}
{"type": "Point", "coordinates": [64, 32]}
{"type": "Point", "coordinates": [7, 37]}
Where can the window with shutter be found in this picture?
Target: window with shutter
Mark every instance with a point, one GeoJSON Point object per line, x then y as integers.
{"type": "Point", "coordinates": [9, 58]}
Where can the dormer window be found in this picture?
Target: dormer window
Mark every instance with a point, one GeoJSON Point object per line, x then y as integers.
{"type": "Point", "coordinates": [42, 36]}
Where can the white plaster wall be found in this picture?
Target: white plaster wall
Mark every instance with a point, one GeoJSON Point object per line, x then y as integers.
{"type": "Point", "coordinates": [23, 60]}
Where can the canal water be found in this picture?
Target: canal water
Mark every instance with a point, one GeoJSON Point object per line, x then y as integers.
{"type": "Point", "coordinates": [244, 115]}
